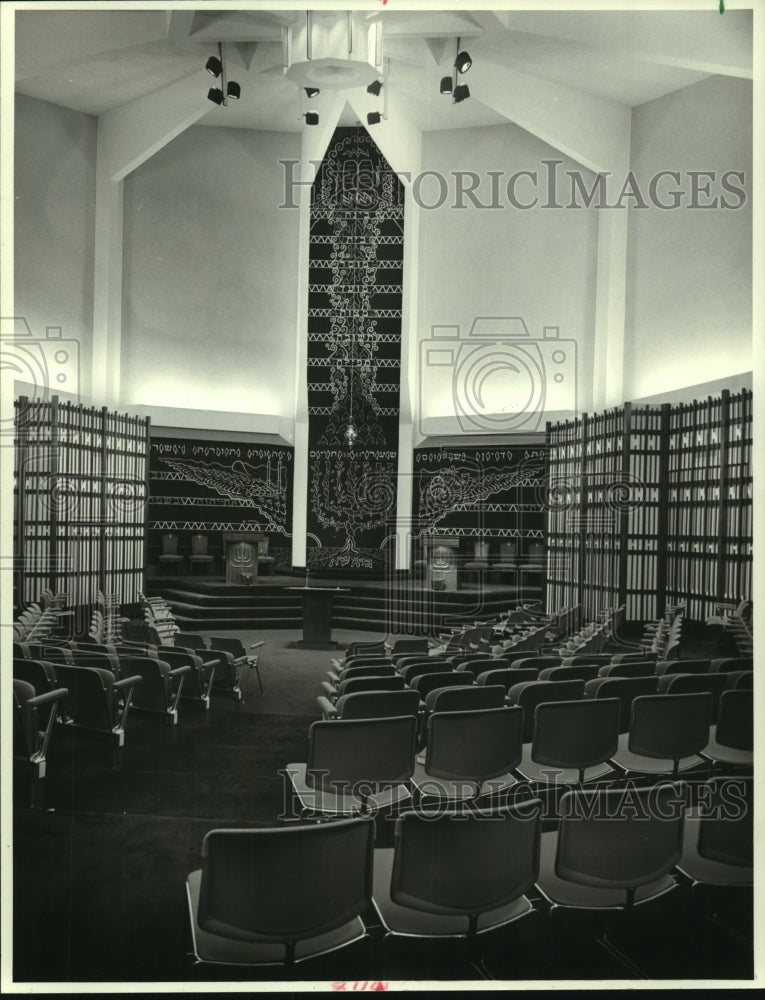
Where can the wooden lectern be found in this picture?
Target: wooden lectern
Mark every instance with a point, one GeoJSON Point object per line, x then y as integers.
{"type": "Point", "coordinates": [240, 550]}
{"type": "Point", "coordinates": [441, 557]}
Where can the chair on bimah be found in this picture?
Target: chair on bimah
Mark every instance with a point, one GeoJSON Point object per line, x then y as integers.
{"type": "Point", "coordinates": [199, 554]}
{"type": "Point", "coordinates": [506, 564]}
{"type": "Point", "coordinates": [170, 560]}
{"type": "Point", "coordinates": [266, 562]}
{"type": "Point", "coordinates": [479, 564]}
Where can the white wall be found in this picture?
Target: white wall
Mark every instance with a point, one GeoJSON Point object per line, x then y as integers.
{"type": "Point", "coordinates": [689, 291]}
{"type": "Point", "coordinates": [55, 170]}
{"type": "Point", "coordinates": [209, 313]}
{"type": "Point", "coordinates": [536, 263]}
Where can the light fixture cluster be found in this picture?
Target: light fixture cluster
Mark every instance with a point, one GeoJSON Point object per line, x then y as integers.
{"type": "Point", "coordinates": [229, 89]}
{"type": "Point", "coordinates": [462, 63]}
{"type": "Point", "coordinates": [373, 117]}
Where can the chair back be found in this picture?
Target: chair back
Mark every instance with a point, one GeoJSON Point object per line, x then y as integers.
{"type": "Point", "coordinates": [91, 700]}
{"type": "Point", "coordinates": [602, 659]}
{"type": "Point", "coordinates": [381, 669]}
{"type": "Point", "coordinates": [199, 545]}
{"type": "Point", "coordinates": [670, 725]}
{"type": "Point", "coordinates": [187, 640]}
{"type": "Point", "coordinates": [740, 680]}
{"type": "Point", "coordinates": [731, 664]}
{"type": "Point", "coordinates": [419, 668]}
{"type": "Point", "coordinates": [348, 754]}
{"type": "Point", "coordinates": [626, 689]}
{"type": "Point", "coordinates": [540, 662]}
{"type": "Point", "coordinates": [477, 665]}
{"type": "Point", "coordinates": [582, 671]}
{"type": "Point", "coordinates": [682, 667]}
{"type": "Point", "coordinates": [463, 698]}
{"type": "Point", "coordinates": [613, 841]}
{"type": "Point", "coordinates": [403, 646]}
{"type": "Point", "coordinates": [640, 657]}
{"type": "Point", "coordinates": [378, 704]}
{"type": "Point", "coordinates": [508, 551]}
{"type": "Point", "coordinates": [152, 692]}
{"type": "Point", "coordinates": [369, 648]}
{"type": "Point", "coordinates": [466, 863]}
{"type": "Point", "coordinates": [25, 724]}
{"type": "Point", "coordinates": [265, 884]}
{"type": "Point", "coordinates": [735, 723]}
{"type": "Point", "coordinates": [39, 673]}
{"type": "Point", "coordinates": [632, 668]}
{"type": "Point", "coordinates": [375, 683]}
{"type": "Point", "coordinates": [507, 677]}
{"type": "Point", "coordinates": [726, 830]}
{"type": "Point", "coordinates": [225, 644]}
{"type": "Point", "coordinates": [576, 734]}
{"type": "Point", "coordinates": [684, 683]}
{"type": "Point", "coordinates": [362, 660]}
{"type": "Point", "coordinates": [169, 544]}
{"type": "Point", "coordinates": [532, 693]}
{"type": "Point", "coordinates": [430, 682]}
{"type": "Point", "coordinates": [475, 745]}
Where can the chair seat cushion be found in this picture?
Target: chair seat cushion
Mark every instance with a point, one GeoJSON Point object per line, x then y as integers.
{"type": "Point", "coordinates": [650, 765]}
{"type": "Point", "coordinates": [420, 923]}
{"type": "Point", "coordinates": [564, 893]}
{"type": "Point", "coordinates": [445, 789]}
{"type": "Point", "coordinates": [705, 870]}
{"type": "Point", "coordinates": [726, 755]}
{"type": "Point", "coordinates": [215, 948]}
{"type": "Point", "coordinates": [558, 776]}
{"type": "Point", "coordinates": [341, 804]}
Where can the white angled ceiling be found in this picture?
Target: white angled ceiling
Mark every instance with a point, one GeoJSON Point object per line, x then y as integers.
{"type": "Point", "coordinates": [95, 60]}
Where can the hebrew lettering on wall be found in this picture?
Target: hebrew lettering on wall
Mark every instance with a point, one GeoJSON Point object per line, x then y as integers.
{"type": "Point", "coordinates": [354, 352]}
{"type": "Point", "coordinates": [214, 486]}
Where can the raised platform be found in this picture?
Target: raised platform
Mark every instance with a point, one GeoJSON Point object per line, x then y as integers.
{"type": "Point", "coordinates": [396, 606]}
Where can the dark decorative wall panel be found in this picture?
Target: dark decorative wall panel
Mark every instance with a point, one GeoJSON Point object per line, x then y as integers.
{"type": "Point", "coordinates": [216, 486]}
{"type": "Point", "coordinates": [481, 493]}
{"type": "Point", "coordinates": [354, 353]}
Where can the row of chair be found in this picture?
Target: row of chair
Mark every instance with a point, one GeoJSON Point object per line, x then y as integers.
{"type": "Point", "coordinates": [257, 899]}
{"type": "Point", "coordinates": [550, 738]}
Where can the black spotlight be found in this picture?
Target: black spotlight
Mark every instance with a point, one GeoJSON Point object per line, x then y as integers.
{"type": "Point", "coordinates": [233, 90]}
{"type": "Point", "coordinates": [463, 62]}
{"type": "Point", "coordinates": [215, 94]}
{"type": "Point", "coordinates": [214, 66]}
{"type": "Point", "coordinates": [373, 118]}
{"type": "Point", "coordinates": [446, 85]}
{"type": "Point", "coordinates": [375, 88]}
{"type": "Point", "coordinates": [311, 91]}
{"type": "Point", "coordinates": [311, 118]}
{"type": "Point", "coordinates": [461, 93]}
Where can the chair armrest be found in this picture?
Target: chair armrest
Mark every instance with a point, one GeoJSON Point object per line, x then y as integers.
{"type": "Point", "coordinates": [177, 671]}
{"type": "Point", "coordinates": [127, 682]}
{"type": "Point", "coordinates": [333, 678]}
{"type": "Point", "coordinates": [327, 708]}
{"type": "Point", "coordinates": [329, 690]}
{"type": "Point", "coordinates": [47, 697]}
{"type": "Point", "coordinates": [257, 645]}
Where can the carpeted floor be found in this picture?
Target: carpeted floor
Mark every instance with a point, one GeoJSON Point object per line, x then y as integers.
{"type": "Point", "coordinates": [99, 875]}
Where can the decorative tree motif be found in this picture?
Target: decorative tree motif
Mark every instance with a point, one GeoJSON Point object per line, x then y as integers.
{"type": "Point", "coordinates": [350, 496]}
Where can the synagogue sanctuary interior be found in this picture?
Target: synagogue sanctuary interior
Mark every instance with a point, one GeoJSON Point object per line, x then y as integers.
{"type": "Point", "coordinates": [377, 494]}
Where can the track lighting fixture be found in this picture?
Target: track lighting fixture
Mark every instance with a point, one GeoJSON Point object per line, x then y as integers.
{"type": "Point", "coordinates": [463, 62]}
{"type": "Point", "coordinates": [446, 85]}
{"type": "Point", "coordinates": [228, 89]}
{"type": "Point", "coordinates": [375, 87]}
{"type": "Point", "coordinates": [311, 91]}
{"type": "Point", "coordinates": [461, 93]}
{"type": "Point", "coordinates": [373, 118]}
{"type": "Point", "coordinates": [311, 118]}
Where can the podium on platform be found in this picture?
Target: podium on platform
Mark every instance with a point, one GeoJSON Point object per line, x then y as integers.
{"type": "Point", "coordinates": [240, 550]}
